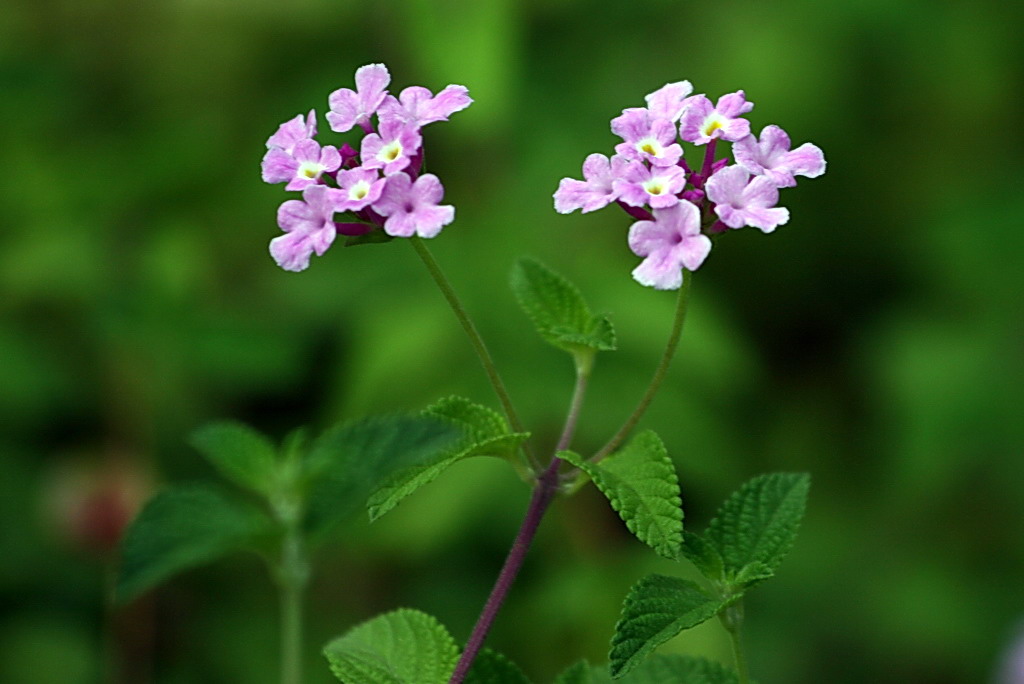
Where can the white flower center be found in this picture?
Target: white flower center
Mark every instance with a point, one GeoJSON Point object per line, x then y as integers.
{"type": "Point", "coordinates": [711, 124]}
{"type": "Point", "coordinates": [649, 146]}
{"type": "Point", "coordinates": [309, 170]}
{"type": "Point", "coordinates": [390, 152]}
{"type": "Point", "coordinates": [359, 191]}
{"type": "Point", "coordinates": [655, 186]}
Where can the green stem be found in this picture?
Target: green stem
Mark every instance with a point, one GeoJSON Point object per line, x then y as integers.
{"type": "Point", "coordinates": [575, 406]}
{"type": "Point", "coordinates": [474, 336]}
{"type": "Point", "coordinates": [659, 374]}
{"type": "Point", "coordinates": [732, 620]}
{"type": "Point", "coordinates": [293, 576]}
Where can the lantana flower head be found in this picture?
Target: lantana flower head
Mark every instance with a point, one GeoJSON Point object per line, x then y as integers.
{"type": "Point", "coordinates": [678, 210]}
{"type": "Point", "coordinates": [350, 108]}
{"type": "Point", "coordinates": [304, 166]}
{"type": "Point", "coordinates": [292, 131]}
{"type": "Point", "coordinates": [597, 190]}
{"type": "Point", "coordinates": [701, 123]}
{"type": "Point", "coordinates": [772, 157]}
{"type": "Point", "coordinates": [392, 149]}
{"type": "Point", "coordinates": [418, 106]}
{"type": "Point", "coordinates": [740, 201]}
{"type": "Point", "coordinates": [669, 101]}
{"type": "Point", "coordinates": [658, 186]}
{"type": "Point", "coordinates": [413, 207]}
{"type": "Point", "coordinates": [381, 186]}
{"type": "Point", "coordinates": [670, 242]}
{"type": "Point", "coordinates": [309, 227]}
{"type": "Point", "coordinates": [647, 137]}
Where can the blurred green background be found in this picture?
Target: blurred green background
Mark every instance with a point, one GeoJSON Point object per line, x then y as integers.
{"type": "Point", "coordinates": [874, 341]}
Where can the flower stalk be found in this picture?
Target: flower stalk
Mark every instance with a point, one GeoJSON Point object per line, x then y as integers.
{"type": "Point", "coordinates": [682, 304]}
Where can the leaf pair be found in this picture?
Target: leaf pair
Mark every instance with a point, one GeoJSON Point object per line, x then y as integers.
{"type": "Point", "coordinates": [744, 544]}
{"type": "Point", "coordinates": [407, 646]}
{"type": "Point", "coordinates": [189, 525]}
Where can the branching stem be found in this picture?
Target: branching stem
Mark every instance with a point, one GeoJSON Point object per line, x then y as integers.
{"type": "Point", "coordinates": [543, 493]}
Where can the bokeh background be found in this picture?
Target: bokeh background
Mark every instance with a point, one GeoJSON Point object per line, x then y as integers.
{"type": "Point", "coordinates": [874, 341]}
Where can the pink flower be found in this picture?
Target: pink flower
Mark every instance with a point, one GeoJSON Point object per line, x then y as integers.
{"type": "Point", "coordinates": [309, 227]}
{"type": "Point", "coordinates": [354, 108]}
{"type": "Point", "coordinates": [392, 149]}
{"type": "Point", "coordinates": [657, 185]}
{"type": "Point", "coordinates": [646, 137]}
{"type": "Point", "coordinates": [292, 131]}
{"type": "Point", "coordinates": [412, 208]}
{"type": "Point", "coordinates": [701, 123]}
{"type": "Point", "coordinates": [302, 167]}
{"type": "Point", "coordinates": [670, 243]}
{"type": "Point", "coordinates": [668, 101]}
{"type": "Point", "coordinates": [358, 188]}
{"type": "Point", "coordinates": [417, 106]}
{"type": "Point", "coordinates": [598, 190]}
{"type": "Point", "coordinates": [771, 157]}
{"type": "Point", "coordinates": [739, 203]}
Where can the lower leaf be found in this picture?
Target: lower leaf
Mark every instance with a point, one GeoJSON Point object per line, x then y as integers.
{"type": "Point", "coordinates": [657, 608]}
{"type": "Point", "coordinates": [404, 646]}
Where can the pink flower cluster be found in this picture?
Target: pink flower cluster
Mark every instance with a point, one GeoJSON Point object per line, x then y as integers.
{"type": "Point", "coordinates": [380, 186]}
{"type": "Point", "coordinates": [686, 206]}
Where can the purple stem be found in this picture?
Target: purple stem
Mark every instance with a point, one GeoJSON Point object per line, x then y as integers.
{"type": "Point", "coordinates": [709, 159]}
{"type": "Point", "coordinates": [543, 493]}
{"type": "Point", "coordinates": [638, 213]}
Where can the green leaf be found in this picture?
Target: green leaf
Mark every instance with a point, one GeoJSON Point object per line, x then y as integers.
{"type": "Point", "coordinates": [680, 669]}
{"type": "Point", "coordinates": [558, 311]}
{"type": "Point", "coordinates": [181, 528]}
{"type": "Point", "coordinates": [490, 667]}
{"type": "Point", "coordinates": [752, 573]}
{"type": "Point", "coordinates": [658, 669]}
{"type": "Point", "coordinates": [759, 522]}
{"type": "Point", "coordinates": [404, 646]}
{"type": "Point", "coordinates": [703, 555]}
{"type": "Point", "coordinates": [348, 463]}
{"type": "Point", "coordinates": [657, 608]}
{"type": "Point", "coordinates": [240, 453]}
{"type": "Point", "coordinates": [582, 673]}
{"type": "Point", "coordinates": [641, 484]}
{"type": "Point", "coordinates": [485, 433]}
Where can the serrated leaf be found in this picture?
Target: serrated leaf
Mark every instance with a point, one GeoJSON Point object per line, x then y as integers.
{"type": "Point", "coordinates": [752, 573]}
{"type": "Point", "coordinates": [491, 667]}
{"type": "Point", "coordinates": [350, 462]}
{"type": "Point", "coordinates": [484, 433]}
{"type": "Point", "coordinates": [241, 454]}
{"type": "Point", "coordinates": [657, 608]}
{"type": "Point", "coordinates": [557, 310]}
{"type": "Point", "coordinates": [658, 669]}
{"type": "Point", "coordinates": [703, 555]}
{"type": "Point", "coordinates": [477, 423]}
{"type": "Point", "coordinates": [182, 528]}
{"type": "Point", "coordinates": [759, 522]}
{"type": "Point", "coordinates": [404, 646]}
{"type": "Point", "coordinates": [640, 483]}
